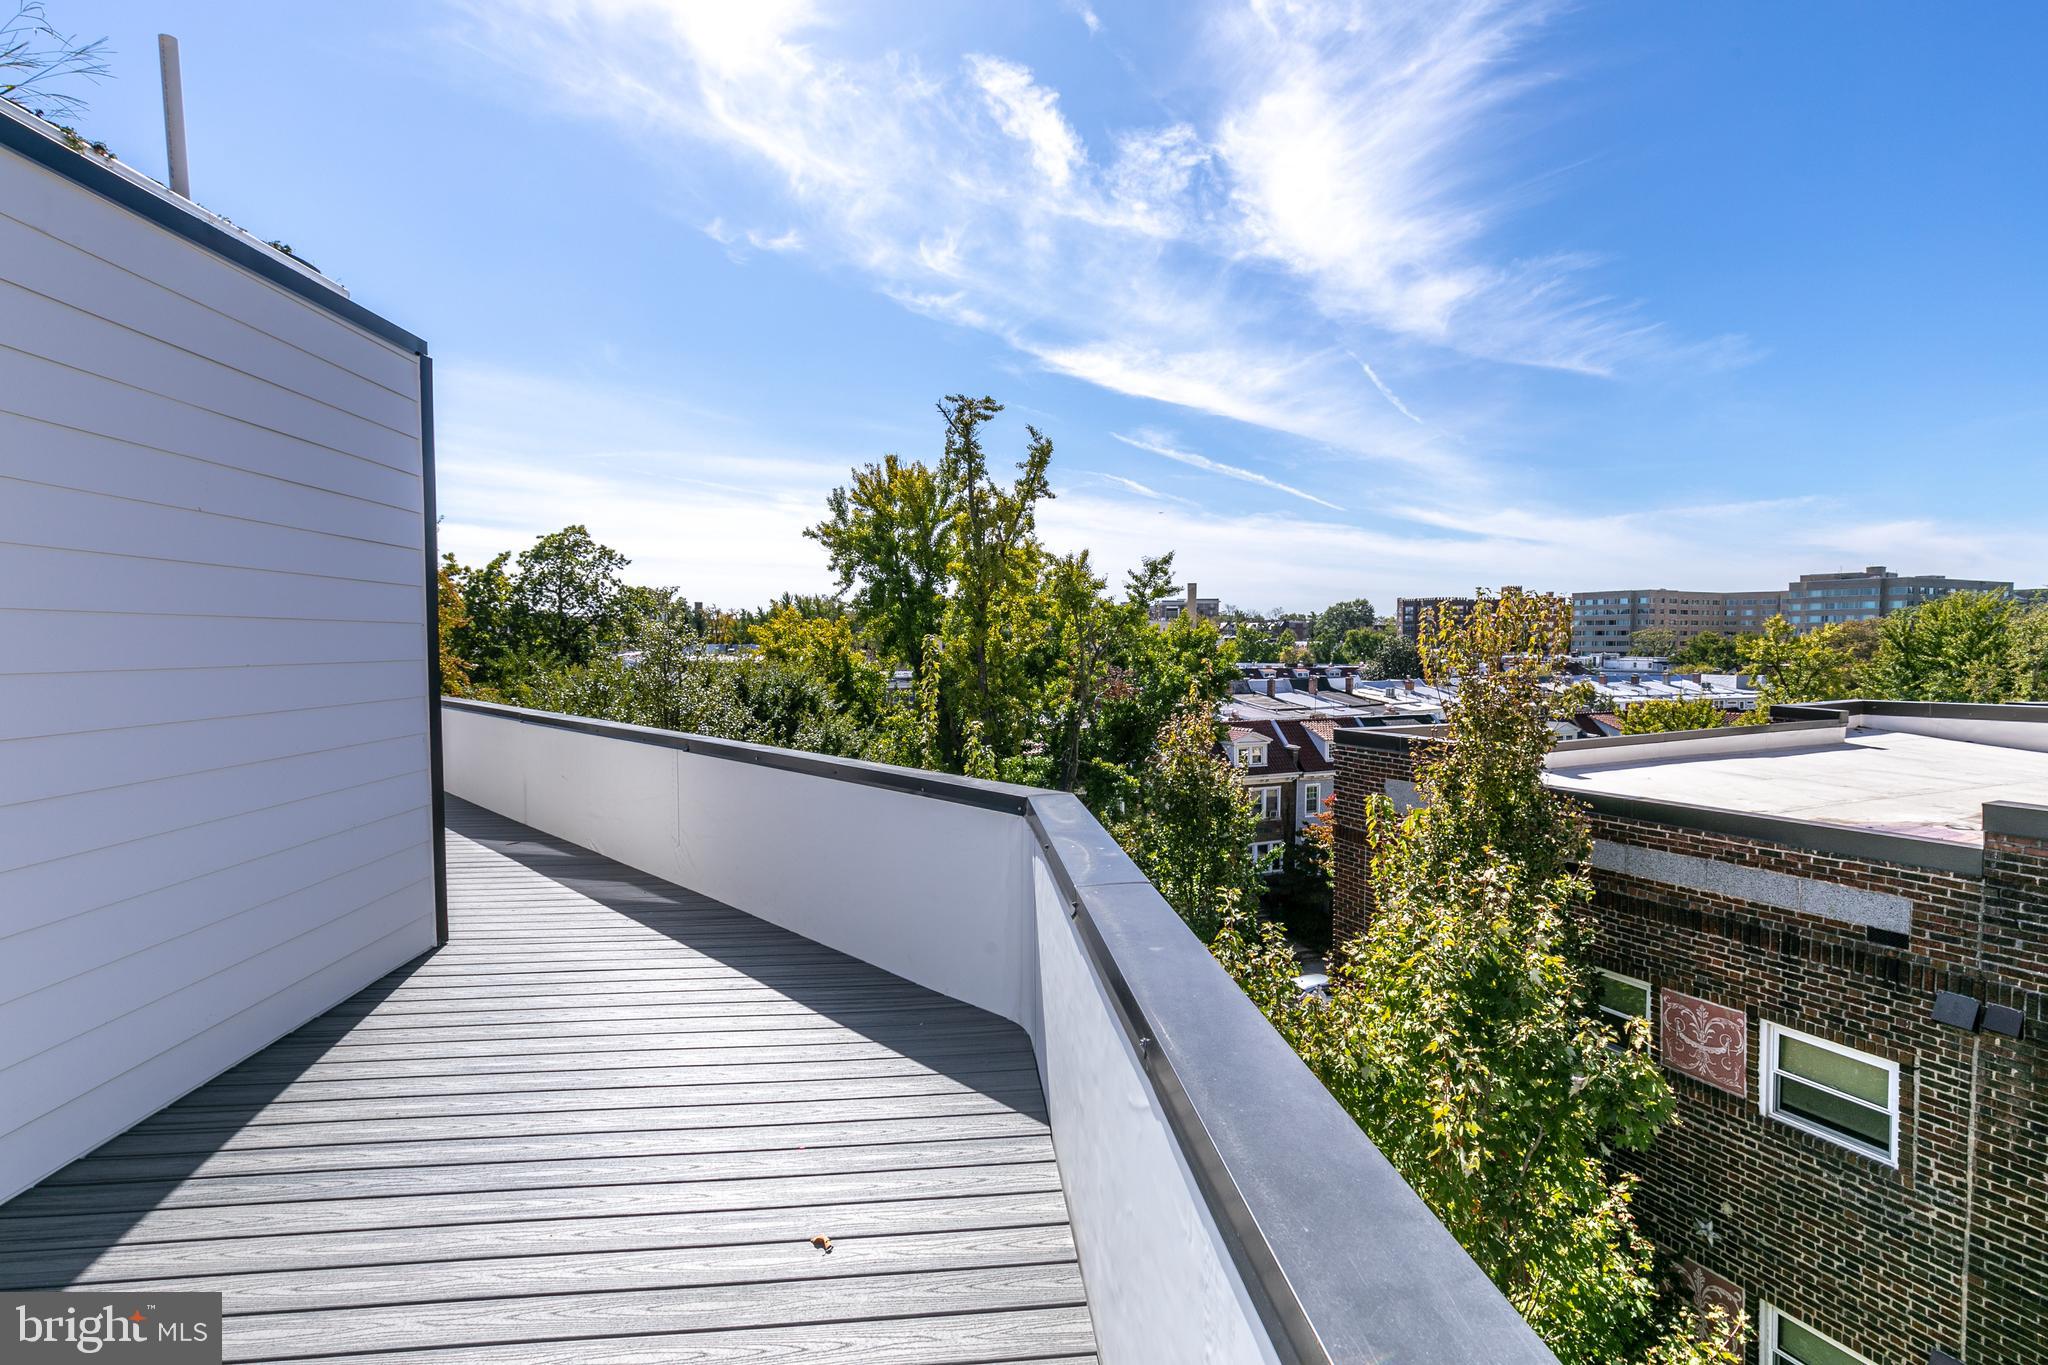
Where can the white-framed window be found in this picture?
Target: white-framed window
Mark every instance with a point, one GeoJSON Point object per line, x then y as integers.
{"type": "Point", "coordinates": [1788, 1341]}
{"type": "Point", "coordinates": [1267, 799]}
{"type": "Point", "coordinates": [1252, 753]}
{"type": "Point", "coordinates": [1262, 849]}
{"type": "Point", "coordinates": [1831, 1091]}
{"type": "Point", "coordinates": [1311, 799]}
{"type": "Point", "coordinates": [1622, 997]}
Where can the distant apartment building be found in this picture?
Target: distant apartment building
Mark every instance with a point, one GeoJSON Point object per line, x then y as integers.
{"type": "Point", "coordinates": [1836, 928]}
{"type": "Point", "coordinates": [1603, 621]}
{"type": "Point", "coordinates": [1826, 599]}
{"type": "Point", "coordinates": [1169, 609]}
{"type": "Point", "coordinates": [1409, 611]}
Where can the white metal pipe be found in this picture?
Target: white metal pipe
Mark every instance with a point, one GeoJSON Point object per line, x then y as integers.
{"type": "Point", "coordinates": [174, 115]}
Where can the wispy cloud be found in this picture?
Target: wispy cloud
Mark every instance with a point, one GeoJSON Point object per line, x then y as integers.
{"type": "Point", "coordinates": [1387, 393]}
{"type": "Point", "coordinates": [1157, 446]}
{"type": "Point", "coordinates": [1318, 196]}
{"type": "Point", "coordinates": [1144, 491]}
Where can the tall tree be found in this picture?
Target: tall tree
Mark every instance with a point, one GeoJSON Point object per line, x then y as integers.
{"type": "Point", "coordinates": [569, 590]}
{"type": "Point", "coordinates": [996, 555]}
{"type": "Point", "coordinates": [1334, 624]}
{"type": "Point", "coordinates": [1085, 623]}
{"type": "Point", "coordinates": [889, 537]}
{"type": "Point", "coordinates": [1459, 1029]}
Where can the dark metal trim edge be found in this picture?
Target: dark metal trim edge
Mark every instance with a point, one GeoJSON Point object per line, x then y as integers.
{"type": "Point", "coordinates": [430, 519]}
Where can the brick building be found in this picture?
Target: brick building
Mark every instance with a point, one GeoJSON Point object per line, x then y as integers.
{"type": "Point", "coordinates": [1838, 927]}
{"type": "Point", "coordinates": [1409, 611]}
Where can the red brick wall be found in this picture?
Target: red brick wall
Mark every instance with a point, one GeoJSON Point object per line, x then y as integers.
{"type": "Point", "coordinates": [1361, 772]}
{"type": "Point", "coordinates": [1870, 1255]}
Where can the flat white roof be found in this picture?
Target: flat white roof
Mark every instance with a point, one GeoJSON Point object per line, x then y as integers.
{"type": "Point", "coordinates": [1924, 786]}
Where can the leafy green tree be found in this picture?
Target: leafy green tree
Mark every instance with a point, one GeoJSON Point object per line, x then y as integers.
{"type": "Point", "coordinates": [1661, 714]}
{"type": "Point", "coordinates": [1654, 642]}
{"type": "Point", "coordinates": [991, 625]}
{"type": "Point", "coordinates": [2030, 653]}
{"type": "Point", "coordinates": [824, 648]}
{"type": "Point", "coordinates": [1459, 1029]}
{"type": "Point", "coordinates": [1858, 640]}
{"type": "Point", "coordinates": [1085, 623]}
{"type": "Point", "coordinates": [1954, 648]}
{"type": "Point", "coordinates": [677, 684]}
{"type": "Point", "coordinates": [1400, 657]}
{"type": "Point", "coordinates": [453, 621]}
{"type": "Point", "coordinates": [1333, 626]}
{"type": "Point", "coordinates": [1191, 825]}
{"type": "Point", "coordinates": [570, 596]}
{"type": "Point", "coordinates": [889, 537]}
{"type": "Point", "coordinates": [1707, 652]}
{"type": "Point", "coordinates": [488, 636]}
{"type": "Point", "coordinates": [1795, 668]}
{"type": "Point", "coordinates": [1255, 645]}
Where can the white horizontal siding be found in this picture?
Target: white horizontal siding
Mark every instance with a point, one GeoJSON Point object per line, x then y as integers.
{"type": "Point", "coordinates": [73, 519]}
{"type": "Point", "coordinates": [62, 396]}
{"type": "Point", "coordinates": [61, 457]}
{"type": "Point", "coordinates": [215, 791]}
{"type": "Point", "coordinates": [31, 704]}
{"type": "Point", "coordinates": [71, 887]}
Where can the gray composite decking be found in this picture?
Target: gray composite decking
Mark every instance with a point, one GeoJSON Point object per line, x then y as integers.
{"type": "Point", "coordinates": [602, 1124]}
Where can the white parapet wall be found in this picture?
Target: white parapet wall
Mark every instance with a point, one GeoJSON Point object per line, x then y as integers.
{"type": "Point", "coordinates": [216, 800]}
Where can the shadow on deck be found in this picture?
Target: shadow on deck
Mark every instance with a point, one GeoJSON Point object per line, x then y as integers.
{"type": "Point", "coordinates": [603, 1123]}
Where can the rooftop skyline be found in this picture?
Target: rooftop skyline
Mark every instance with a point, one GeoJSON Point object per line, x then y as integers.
{"type": "Point", "coordinates": [1332, 303]}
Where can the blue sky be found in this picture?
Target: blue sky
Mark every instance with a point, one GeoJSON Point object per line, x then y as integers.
{"type": "Point", "coordinates": [1333, 301]}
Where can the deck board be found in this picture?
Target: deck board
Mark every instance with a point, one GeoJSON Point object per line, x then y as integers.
{"type": "Point", "coordinates": [603, 1123]}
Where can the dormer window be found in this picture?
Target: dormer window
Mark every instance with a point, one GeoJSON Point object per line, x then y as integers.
{"type": "Point", "coordinates": [1251, 753]}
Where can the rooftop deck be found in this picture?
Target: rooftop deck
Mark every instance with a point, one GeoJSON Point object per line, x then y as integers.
{"type": "Point", "coordinates": [603, 1122]}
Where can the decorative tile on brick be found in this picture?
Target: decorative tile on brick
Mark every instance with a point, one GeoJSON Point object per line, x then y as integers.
{"type": "Point", "coordinates": [1709, 1291]}
{"type": "Point", "coordinates": [1705, 1041]}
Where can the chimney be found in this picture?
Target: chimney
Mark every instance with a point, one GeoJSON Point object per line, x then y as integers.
{"type": "Point", "coordinates": [1349, 679]}
{"type": "Point", "coordinates": [1191, 610]}
{"type": "Point", "coordinates": [1315, 681]}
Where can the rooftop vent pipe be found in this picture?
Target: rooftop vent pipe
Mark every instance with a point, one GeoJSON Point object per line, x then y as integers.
{"type": "Point", "coordinates": [174, 115]}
